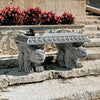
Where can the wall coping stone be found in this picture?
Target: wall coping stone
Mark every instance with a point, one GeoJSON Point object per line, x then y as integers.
{"type": "Point", "coordinates": [46, 27]}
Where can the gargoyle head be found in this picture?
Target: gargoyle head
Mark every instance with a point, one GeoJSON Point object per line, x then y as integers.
{"type": "Point", "coordinates": [37, 56]}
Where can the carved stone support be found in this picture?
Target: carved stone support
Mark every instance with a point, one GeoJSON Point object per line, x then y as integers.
{"type": "Point", "coordinates": [30, 60]}
{"type": "Point", "coordinates": [69, 55]}
{"type": "Point", "coordinates": [32, 54]}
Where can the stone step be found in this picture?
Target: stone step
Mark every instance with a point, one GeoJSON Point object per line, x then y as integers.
{"type": "Point", "coordinates": [12, 76]}
{"type": "Point", "coordinates": [2, 56]}
{"type": "Point", "coordinates": [8, 63]}
{"type": "Point", "coordinates": [93, 17]}
{"type": "Point", "coordinates": [73, 89]}
{"type": "Point", "coordinates": [81, 88]}
{"type": "Point", "coordinates": [92, 34]}
{"type": "Point", "coordinates": [92, 27]}
{"type": "Point", "coordinates": [88, 13]}
{"type": "Point", "coordinates": [95, 42]}
{"type": "Point", "coordinates": [87, 22]}
{"type": "Point", "coordinates": [93, 53]}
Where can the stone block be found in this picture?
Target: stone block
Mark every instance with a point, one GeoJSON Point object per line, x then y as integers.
{"type": "Point", "coordinates": [11, 76]}
{"type": "Point", "coordinates": [76, 7]}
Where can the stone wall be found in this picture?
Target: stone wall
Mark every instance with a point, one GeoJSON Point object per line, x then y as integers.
{"type": "Point", "coordinates": [8, 33]}
{"type": "Point", "coordinates": [76, 7]}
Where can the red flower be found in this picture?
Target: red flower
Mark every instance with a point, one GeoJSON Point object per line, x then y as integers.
{"type": "Point", "coordinates": [48, 19]}
{"type": "Point", "coordinates": [0, 11]}
{"type": "Point", "coordinates": [44, 15]}
{"type": "Point", "coordinates": [45, 12]}
{"type": "Point", "coordinates": [19, 20]}
{"type": "Point", "coordinates": [33, 19]}
{"type": "Point", "coordinates": [40, 15]}
{"type": "Point", "coordinates": [0, 17]}
{"type": "Point", "coordinates": [15, 15]}
{"type": "Point", "coordinates": [28, 8]}
{"type": "Point", "coordinates": [13, 8]}
{"type": "Point", "coordinates": [49, 15]}
{"type": "Point", "coordinates": [23, 13]}
{"type": "Point", "coordinates": [18, 7]}
{"type": "Point", "coordinates": [55, 17]}
{"type": "Point", "coordinates": [37, 8]}
{"type": "Point", "coordinates": [12, 14]}
{"type": "Point", "coordinates": [34, 16]}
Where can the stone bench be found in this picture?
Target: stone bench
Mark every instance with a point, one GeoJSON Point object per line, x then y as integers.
{"type": "Point", "coordinates": [32, 55]}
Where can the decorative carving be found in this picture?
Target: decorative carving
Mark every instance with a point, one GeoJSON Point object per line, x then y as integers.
{"type": "Point", "coordinates": [8, 46]}
{"type": "Point", "coordinates": [55, 38]}
{"type": "Point", "coordinates": [30, 60]}
{"type": "Point", "coordinates": [68, 44]}
{"type": "Point", "coordinates": [7, 43]}
{"type": "Point", "coordinates": [70, 54]}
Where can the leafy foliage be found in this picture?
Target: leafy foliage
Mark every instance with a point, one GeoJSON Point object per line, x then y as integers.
{"type": "Point", "coordinates": [67, 18]}
{"type": "Point", "coordinates": [50, 18]}
{"type": "Point", "coordinates": [11, 16]}
{"type": "Point", "coordinates": [33, 16]}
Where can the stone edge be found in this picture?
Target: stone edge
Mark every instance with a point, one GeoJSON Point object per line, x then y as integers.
{"type": "Point", "coordinates": [9, 80]}
{"type": "Point", "coordinates": [26, 27]}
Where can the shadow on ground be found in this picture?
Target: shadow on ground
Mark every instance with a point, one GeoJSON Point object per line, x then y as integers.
{"type": "Point", "coordinates": [48, 65]}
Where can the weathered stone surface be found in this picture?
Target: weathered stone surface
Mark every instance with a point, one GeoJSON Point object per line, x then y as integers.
{"type": "Point", "coordinates": [92, 34]}
{"type": "Point", "coordinates": [93, 17]}
{"type": "Point", "coordinates": [76, 7]}
{"type": "Point", "coordinates": [8, 33]}
{"type": "Point", "coordinates": [15, 76]}
{"type": "Point", "coordinates": [93, 27]}
{"type": "Point", "coordinates": [52, 47]}
{"type": "Point", "coordinates": [32, 54]}
{"type": "Point", "coordinates": [7, 44]}
{"type": "Point", "coordinates": [87, 88]}
{"type": "Point", "coordinates": [93, 53]}
{"type": "Point", "coordinates": [8, 63]}
{"type": "Point", "coordinates": [15, 3]}
{"type": "Point", "coordinates": [95, 42]}
{"type": "Point", "coordinates": [87, 22]}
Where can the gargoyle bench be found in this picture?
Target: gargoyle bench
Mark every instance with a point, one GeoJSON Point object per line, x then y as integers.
{"type": "Point", "coordinates": [70, 50]}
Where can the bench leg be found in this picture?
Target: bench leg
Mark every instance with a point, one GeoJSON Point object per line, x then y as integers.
{"type": "Point", "coordinates": [21, 60]}
{"type": "Point", "coordinates": [69, 55]}
{"type": "Point", "coordinates": [30, 60]}
{"type": "Point", "coordinates": [27, 63]}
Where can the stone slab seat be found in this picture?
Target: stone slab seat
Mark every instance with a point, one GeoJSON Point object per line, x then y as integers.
{"type": "Point", "coordinates": [32, 54]}
{"type": "Point", "coordinates": [52, 38]}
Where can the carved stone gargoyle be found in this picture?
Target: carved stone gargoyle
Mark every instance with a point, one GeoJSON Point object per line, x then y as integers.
{"type": "Point", "coordinates": [70, 50]}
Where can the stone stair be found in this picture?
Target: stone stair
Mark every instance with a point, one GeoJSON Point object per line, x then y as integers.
{"type": "Point", "coordinates": [92, 30]}
{"type": "Point", "coordinates": [88, 21]}
{"type": "Point", "coordinates": [93, 17]}
{"type": "Point", "coordinates": [57, 83]}
{"type": "Point", "coordinates": [92, 34]}
{"type": "Point", "coordinates": [54, 84]}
